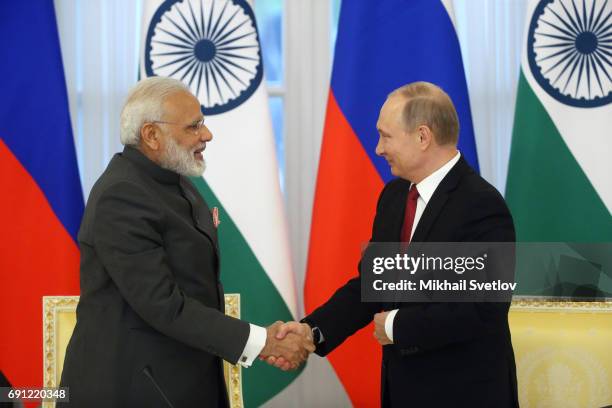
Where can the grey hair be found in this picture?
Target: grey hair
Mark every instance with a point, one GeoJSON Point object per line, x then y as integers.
{"type": "Point", "coordinates": [144, 103]}
{"type": "Point", "coordinates": [428, 104]}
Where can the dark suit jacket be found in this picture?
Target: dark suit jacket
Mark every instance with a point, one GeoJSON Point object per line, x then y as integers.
{"type": "Point", "coordinates": [444, 354]}
{"type": "Point", "coordinates": [150, 319]}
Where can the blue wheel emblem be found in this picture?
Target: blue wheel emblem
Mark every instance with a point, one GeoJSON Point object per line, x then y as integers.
{"type": "Point", "coordinates": [570, 50]}
{"type": "Point", "coordinates": [210, 45]}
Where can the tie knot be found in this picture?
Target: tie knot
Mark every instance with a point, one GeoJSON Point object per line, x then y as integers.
{"type": "Point", "coordinates": [413, 194]}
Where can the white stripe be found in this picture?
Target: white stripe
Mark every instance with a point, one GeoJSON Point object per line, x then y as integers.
{"type": "Point", "coordinates": [448, 5]}
{"type": "Point", "coordinates": [242, 171]}
{"type": "Point", "coordinates": [586, 131]}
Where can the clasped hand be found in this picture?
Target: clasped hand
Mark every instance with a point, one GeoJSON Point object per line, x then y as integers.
{"type": "Point", "coordinates": [287, 345]}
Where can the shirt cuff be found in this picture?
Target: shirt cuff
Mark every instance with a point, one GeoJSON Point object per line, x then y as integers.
{"type": "Point", "coordinates": [389, 324]}
{"type": "Point", "coordinates": [255, 343]}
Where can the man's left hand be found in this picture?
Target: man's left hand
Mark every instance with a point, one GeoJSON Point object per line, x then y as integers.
{"type": "Point", "coordinates": [379, 329]}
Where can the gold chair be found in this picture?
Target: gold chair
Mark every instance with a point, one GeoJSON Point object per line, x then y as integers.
{"type": "Point", "coordinates": [59, 319]}
{"type": "Point", "coordinates": [563, 353]}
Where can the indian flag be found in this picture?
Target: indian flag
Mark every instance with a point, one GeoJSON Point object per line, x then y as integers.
{"type": "Point", "coordinates": [559, 186]}
{"type": "Point", "coordinates": [213, 47]}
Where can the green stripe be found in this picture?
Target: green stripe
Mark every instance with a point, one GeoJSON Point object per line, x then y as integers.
{"type": "Point", "coordinates": [261, 303]}
{"type": "Point", "coordinates": [551, 198]}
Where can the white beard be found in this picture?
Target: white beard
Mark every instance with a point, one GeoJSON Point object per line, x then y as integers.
{"type": "Point", "coordinates": [182, 161]}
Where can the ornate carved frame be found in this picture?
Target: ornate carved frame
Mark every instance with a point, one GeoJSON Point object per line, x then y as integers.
{"type": "Point", "coordinates": [551, 305]}
{"type": "Point", "coordinates": [53, 305]}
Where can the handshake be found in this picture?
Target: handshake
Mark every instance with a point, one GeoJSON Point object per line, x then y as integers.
{"type": "Point", "coordinates": [287, 345]}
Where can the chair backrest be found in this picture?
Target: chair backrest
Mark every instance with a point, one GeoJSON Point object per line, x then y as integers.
{"type": "Point", "coordinates": [563, 353]}
{"type": "Point", "coordinates": [59, 319]}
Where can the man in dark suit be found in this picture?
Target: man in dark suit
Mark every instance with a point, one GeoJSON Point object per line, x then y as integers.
{"type": "Point", "coordinates": [151, 329]}
{"type": "Point", "coordinates": [434, 354]}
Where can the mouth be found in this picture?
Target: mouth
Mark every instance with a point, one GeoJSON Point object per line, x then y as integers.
{"type": "Point", "coordinates": [198, 153]}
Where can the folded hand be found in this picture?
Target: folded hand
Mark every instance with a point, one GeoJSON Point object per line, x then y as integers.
{"type": "Point", "coordinates": [380, 334]}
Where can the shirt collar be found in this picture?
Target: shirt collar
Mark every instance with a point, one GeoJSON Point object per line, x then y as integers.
{"type": "Point", "coordinates": [428, 185]}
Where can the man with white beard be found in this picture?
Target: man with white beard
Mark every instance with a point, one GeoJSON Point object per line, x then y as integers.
{"type": "Point", "coordinates": [150, 329]}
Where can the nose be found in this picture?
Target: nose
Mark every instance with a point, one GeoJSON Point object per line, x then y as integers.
{"type": "Point", "coordinates": [380, 151]}
{"type": "Point", "coordinates": [205, 134]}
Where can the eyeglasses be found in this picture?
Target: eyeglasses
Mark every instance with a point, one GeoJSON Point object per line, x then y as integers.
{"type": "Point", "coordinates": [195, 127]}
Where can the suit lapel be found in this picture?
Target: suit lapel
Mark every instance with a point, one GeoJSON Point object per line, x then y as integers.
{"type": "Point", "coordinates": [396, 215]}
{"type": "Point", "coordinates": [435, 205]}
{"type": "Point", "coordinates": [439, 199]}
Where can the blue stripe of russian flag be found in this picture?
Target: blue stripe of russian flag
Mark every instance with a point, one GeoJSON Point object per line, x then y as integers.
{"type": "Point", "coordinates": [34, 117]}
{"type": "Point", "coordinates": [383, 45]}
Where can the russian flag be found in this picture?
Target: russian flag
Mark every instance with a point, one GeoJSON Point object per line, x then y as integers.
{"type": "Point", "coordinates": [42, 201]}
{"type": "Point", "coordinates": [381, 46]}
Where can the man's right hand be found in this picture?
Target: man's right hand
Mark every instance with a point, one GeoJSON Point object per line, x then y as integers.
{"type": "Point", "coordinates": [287, 346]}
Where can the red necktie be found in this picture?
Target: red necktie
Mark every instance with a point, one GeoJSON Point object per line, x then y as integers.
{"type": "Point", "coordinates": [411, 205]}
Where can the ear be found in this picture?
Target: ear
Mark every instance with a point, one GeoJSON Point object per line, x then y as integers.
{"type": "Point", "coordinates": [425, 136]}
{"type": "Point", "coordinates": [150, 136]}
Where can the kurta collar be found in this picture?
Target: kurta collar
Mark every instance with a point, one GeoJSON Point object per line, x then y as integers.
{"type": "Point", "coordinates": [150, 167]}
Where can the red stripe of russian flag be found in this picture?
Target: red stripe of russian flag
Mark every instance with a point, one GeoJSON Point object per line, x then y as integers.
{"type": "Point", "coordinates": [347, 189]}
{"type": "Point", "coordinates": [37, 257]}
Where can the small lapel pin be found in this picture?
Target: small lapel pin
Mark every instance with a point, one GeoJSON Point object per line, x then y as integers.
{"type": "Point", "coordinates": [215, 217]}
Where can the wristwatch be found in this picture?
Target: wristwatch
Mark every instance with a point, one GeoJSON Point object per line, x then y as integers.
{"type": "Point", "coordinates": [317, 336]}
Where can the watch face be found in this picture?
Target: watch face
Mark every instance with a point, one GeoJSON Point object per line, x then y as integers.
{"type": "Point", "coordinates": [316, 335]}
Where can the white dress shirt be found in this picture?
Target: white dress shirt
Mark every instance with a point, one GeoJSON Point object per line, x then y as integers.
{"type": "Point", "coordinates": [255, 343]}
{"type": "Point", "coordinates": [426, 188]}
